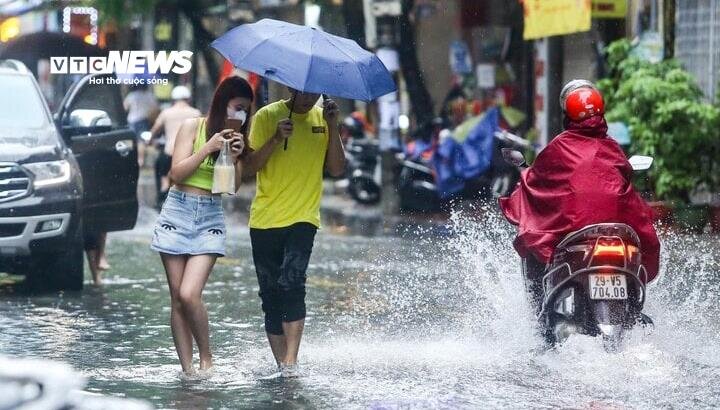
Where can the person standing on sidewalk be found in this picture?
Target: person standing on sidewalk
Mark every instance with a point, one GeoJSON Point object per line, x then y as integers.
{"type": "Point", "coordinates": [168, 123]}
{"type": "Point", "coordinates": [190, 231]}
{"type": "Point", "coordinates": [141, 106]}
{"type": "Point", "coordinates": [285, 213]}
{"type": "Point", "coordinates": [95, 251]}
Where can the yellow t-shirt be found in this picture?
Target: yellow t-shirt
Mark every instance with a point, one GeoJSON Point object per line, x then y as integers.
{"type": "Point", "coordinates": [290, 185]}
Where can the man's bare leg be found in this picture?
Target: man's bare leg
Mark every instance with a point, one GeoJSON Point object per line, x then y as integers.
{"type": "Point", "coordinates": [293, 333]}
{"type": "Point", "coordinates": [103, 262]}
{"type": "Point", "coordinates": [93, 257]}
{"type": "Point", "coordinates": [278, 345]}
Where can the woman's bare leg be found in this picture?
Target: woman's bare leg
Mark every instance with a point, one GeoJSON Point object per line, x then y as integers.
{"type": "Point", "coordinates": [197, 270]}
{"type": "Point", "coordinates": [182, 336]}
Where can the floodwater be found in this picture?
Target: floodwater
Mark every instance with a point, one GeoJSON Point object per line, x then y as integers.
{"type": "Point", "coordinates": [394, 323]}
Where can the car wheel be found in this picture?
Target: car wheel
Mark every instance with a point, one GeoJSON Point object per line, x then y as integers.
{"type": "Point", "coordinates": [59, 271]}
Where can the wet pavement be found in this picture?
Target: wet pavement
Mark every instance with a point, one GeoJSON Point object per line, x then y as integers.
{"type": "Point", "coordinates": [416, 322]}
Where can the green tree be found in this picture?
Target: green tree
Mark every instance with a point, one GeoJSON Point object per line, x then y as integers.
{"type": "Point", "coordinates": [668, 119]}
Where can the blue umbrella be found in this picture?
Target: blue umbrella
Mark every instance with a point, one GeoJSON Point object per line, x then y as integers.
{"type": "Point", "coordinates": [306, 59]}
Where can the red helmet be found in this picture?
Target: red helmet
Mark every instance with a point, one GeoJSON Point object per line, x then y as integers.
{"type": "Point", "coordinates": [580, 100]}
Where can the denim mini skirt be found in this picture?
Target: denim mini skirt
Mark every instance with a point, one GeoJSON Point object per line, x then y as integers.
{"type": "Point", "coordinates": [190, 224]}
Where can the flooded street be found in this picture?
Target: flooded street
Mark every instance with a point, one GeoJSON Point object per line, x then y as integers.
{"type": "Point", "coordinates": [393, 323]}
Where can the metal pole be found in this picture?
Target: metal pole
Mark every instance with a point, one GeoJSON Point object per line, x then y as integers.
{"type": "Point", "coordinates": [653, 16]}
{"type": "Point", "coordinates": [370, 25]}
{"type": "Point", "coordinates": [711, 63]}
{"type": "Point", "coordinates": [555, 74]}
{"type": "Point", "coordinates": [292, 107]}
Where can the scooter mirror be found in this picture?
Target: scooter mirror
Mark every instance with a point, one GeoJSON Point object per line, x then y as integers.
{"type": "Point", "coordinates": [640, 162]}
{"type": "Point", "coordinates": [514, 157]}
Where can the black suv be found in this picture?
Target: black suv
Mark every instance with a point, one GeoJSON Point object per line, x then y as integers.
{"type": "Point", "coordinates": [62, 177]}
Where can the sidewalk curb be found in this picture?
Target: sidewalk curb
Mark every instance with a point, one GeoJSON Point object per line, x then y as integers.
{"type": "Point", "coordinates": [338, 212]}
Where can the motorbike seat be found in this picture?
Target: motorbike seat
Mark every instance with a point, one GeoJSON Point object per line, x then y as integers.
{"type": "Point", "coordinates": [592, 232]}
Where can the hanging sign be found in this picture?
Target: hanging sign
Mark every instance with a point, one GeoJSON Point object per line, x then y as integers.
{"type": "Point", "coordinates": [609, 9]}
{"type": "Point", "coordinates": [545, 18]}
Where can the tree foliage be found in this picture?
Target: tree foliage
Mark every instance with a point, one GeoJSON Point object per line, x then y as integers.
{"type": "Point", "coordinates": [668, 119]}
{"type": "Point", "coordinates": [121, 12]}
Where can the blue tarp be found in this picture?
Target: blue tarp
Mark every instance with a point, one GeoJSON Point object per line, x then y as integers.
{"type": "Point", "coordinates": [415, 151]}
{"type": "Point", "coordinates": [455, 162]}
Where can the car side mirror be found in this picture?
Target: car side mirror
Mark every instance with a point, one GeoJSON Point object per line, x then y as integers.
{"type": "Point", "coordinates": [640, 162]}
{"type": "Point", "coordinates": [514, 157]}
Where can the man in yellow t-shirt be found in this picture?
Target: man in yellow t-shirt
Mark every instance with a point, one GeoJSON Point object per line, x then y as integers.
{"type": "Point", "coordinates": [285, 213]}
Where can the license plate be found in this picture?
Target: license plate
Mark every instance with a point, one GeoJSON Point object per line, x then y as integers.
{"type": "Point", "coordinates": [608, 286]}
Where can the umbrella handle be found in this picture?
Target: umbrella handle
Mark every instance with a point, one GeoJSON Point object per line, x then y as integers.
{"type": "Point", "coordinates": [292, 107]}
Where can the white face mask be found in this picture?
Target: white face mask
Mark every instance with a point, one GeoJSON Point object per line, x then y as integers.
{"type": "Point", "coordinates": [237, 115]}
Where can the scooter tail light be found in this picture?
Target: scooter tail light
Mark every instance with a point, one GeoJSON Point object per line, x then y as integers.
{"type": "Point", "coordinates": [609, 249]}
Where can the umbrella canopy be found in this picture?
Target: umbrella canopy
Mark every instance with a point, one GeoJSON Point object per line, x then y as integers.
{"type": "Point", "coordinates": [306, 59]}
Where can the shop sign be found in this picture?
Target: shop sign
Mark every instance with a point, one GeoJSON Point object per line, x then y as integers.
{"type": "Point", "coordinates": [381, 8]}
{"type": "Point", "coordinates": [609, 9]}
{"type": "Point", "coordinates": [460, 61]}
{"type": "Point", "coordinates": [485, 76]}
{"type": "Point", "coordinates": [545, 18]}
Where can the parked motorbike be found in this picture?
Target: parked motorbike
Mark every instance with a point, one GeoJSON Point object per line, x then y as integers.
{"type": "Point", "coordinates": [595, 282]}
{"type": "Point", "coordinates": [363, 158]}
{"type": "Point", "coordinates": [416, 185]}
{"type": "Point", "coordinates": [363, 163]}
{"type": "Point", "coordinates": [417, 188]}
{"type": "Point", "coordinates": [501, 178]}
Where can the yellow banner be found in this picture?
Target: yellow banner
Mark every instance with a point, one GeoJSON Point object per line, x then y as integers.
{"type": "Point", "coordinates": [545, 18]}
{"type": "Point", "coordinates": [609, 9]}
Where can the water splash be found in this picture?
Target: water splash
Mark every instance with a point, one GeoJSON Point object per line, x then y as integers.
{"type": "Point", "coordinates": [427, 322]}
{"type": "Point", "coordinates": [458, 305]}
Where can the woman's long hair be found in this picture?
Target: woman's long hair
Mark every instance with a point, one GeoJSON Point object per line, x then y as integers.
{"type": "Point", "coordinates": [229, 88]}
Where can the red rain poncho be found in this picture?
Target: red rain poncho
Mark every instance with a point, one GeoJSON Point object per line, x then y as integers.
{"type": "Point", "coordinates": [581, 178]}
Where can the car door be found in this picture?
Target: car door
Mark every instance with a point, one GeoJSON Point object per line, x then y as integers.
{"type": "Point", "coordinates": [93, 123]}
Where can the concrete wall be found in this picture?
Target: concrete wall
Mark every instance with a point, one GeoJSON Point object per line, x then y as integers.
{"type": "Point", "coordinates": [579, 58]}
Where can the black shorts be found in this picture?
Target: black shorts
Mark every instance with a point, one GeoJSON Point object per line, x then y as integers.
{"type": "Point", "coordinates": [163, 164]}
{"type": "Point", "coordinates": [281, 257]}
{"type": "Point", "coordinates": [91, 241]}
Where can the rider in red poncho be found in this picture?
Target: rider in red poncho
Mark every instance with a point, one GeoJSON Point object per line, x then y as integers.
{"type": "Point", "coordinates": [581, 178]}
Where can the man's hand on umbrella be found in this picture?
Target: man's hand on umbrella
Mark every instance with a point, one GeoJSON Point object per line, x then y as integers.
{"type": "Point", "coordinates": [284, 130]}
{"type": "Point", "coordinates": [331, 111]}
